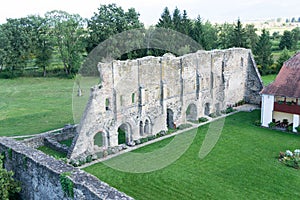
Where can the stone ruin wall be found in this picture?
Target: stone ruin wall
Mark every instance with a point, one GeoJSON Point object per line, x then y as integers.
{"type": "Point", "coordinates": [138, 95]}
{"type": "Point", "coordinates": [39, 175]}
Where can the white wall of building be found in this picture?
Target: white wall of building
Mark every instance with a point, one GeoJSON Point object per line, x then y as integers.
{"type": "Point", "coordinates": [296, 122]}
{"type": "Point", "coordinates": [267, 107]}
{"type": "Point", "coordinates": [280, 116]}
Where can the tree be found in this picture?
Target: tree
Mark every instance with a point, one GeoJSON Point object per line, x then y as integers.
{"type": "Point", "coordinates": [210, 36]}
{"type": "Point", "coordinates": [176, 20]}
{"type": "Point", "coordinates": [284, 56]}
{"type": "Point", "coordinates": [251, 36]}
{"type": "Point", "coordinates": [296, 37]}
{"type": "Point", "coordinates": [41, 40]}
{"type": "Point", "coordinates": [4, 43]}
{"type": "Point", "coordinates": [197, 31]}
{"type": "Point", "coordinates": [224, 32]}
{"type": "Point", "coordinates": [68, 35]}
{"type": "Point", "coordinates": [17, 48]}
{"type": "Point", "coordinates": [238, 36]}
{"type": "Point", "coordinates": [262, 52]}
{"type": "Point", "coordinates": [205, 34]}
{"type": "Point", "coordinates": [286, 40]}
{"type": "Point", "coordinates": [108, 21]}
{"type": "Point", "coordinates": [165, 20]}
{"type": "Point", "coordinates": [8, 186]}
{"type": "Point", "coordinates": [186, 24]}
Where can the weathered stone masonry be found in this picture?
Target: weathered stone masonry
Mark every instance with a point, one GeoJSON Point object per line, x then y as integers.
{"type": "Point", "coordinates": [151, 94]}
{"type": "Point", "coordinates": [39, 175]}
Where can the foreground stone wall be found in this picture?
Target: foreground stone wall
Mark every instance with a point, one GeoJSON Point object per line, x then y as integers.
{"type": "Point", "coordinates": [152, 94]}
{"type": "Point", "coordinates": [40, 175]}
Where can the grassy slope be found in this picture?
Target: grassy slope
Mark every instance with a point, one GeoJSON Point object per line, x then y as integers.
{"type": "Point", "coordinates": [242, 164]}
{"type": "Point", "coordinates": [34, 105]}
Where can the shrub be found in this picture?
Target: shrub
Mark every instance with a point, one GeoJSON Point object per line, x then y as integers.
{"type": "Point", "coordinates": [289, 128]}
{"type": "Point", "coordinates": [66, 184]}
{"type": "Point", "coordinates": [184, 126]}
{"type": "Point", "coordinates": [8, 187]}
{"type": "Point", "coordinates": [151, 137]}
{"type": "Point", "coordinates": [89, 159]}
{"type": "Point", "coordinates": [228, 110]}
{"type": "Point", "coordinates": [213, 115]}
{"type": "Point", "coordinates": [272, 124]}
{"type": "Point", "coordinates": [202, 119]}
{"type": "Point", "coordinates": [143, 140]}
{"type": "Point", "coordinates": [298, 129]}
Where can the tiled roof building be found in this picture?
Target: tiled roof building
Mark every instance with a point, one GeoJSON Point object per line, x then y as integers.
{"type": "Point", "coordinates": [281, 99]}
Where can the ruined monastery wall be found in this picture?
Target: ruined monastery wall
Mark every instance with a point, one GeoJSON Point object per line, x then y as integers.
{"type": "Point", "coordinates": [151, 94]}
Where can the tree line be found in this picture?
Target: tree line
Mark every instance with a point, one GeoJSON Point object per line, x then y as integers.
{"type": "Point", "coordinates": [58, 42]}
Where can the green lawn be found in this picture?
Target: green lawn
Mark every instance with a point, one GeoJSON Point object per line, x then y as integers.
{"type": "Point", "coordinates": [67, 142]}
{"type": "Point", "coordinates": [267, 79]}
{"type": "Point", "coordinates": [243, 164]}
{"type": "Point", "coordinates": [34, 105]}
{"type": "Point", "coordinates": [52, 152]}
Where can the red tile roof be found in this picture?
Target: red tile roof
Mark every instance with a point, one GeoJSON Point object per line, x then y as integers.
{"type": "Point", "coordinates": [287, 82]}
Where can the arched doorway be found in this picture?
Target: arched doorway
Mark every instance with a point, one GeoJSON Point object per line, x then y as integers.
{"type": "Point", "coordinates": [147, 127]}
{"type": "Point", "coordinates": [141, 128]}
{"type": "Point", "coordinates": [170, 119]}
{"type": "Point", "coordinates": [207, 109]}
{"type": "Point", "coordinates": [99, 139]}
{"type": "Point", "coordinates": [191, 112]}
{"type": "Point", "coordinates": [124, 134]}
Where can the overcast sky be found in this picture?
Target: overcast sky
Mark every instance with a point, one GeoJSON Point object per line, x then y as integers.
{"type": "Point", "coordinates": [150, 10]}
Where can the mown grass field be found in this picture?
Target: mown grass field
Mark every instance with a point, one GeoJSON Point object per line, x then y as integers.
{"type": "Point", "coordinates": [243, 164]}
{"type": "Point", "coordinates": [35, 105]}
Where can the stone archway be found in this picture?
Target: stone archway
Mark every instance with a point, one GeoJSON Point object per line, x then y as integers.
{"type": "Point", "coordinates": [141, 128]}
{"type": "Point", "coordinates": [207, 109]}
{"type": "Point", "coordinates": [191, 112]}
{"type": "Point", "coordinates": [124, 134]}
{"type": "Point", "coordinates": [99, 139]}
{"type": "Point", "coordinates": [147, 127]}
{"type": "Point", "coordinates": [170, 119]}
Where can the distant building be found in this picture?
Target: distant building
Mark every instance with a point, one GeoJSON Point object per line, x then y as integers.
{"type": "Point", "coordinates": [281, 99]}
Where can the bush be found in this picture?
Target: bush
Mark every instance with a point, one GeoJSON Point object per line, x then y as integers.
{"type": "Point", "coordinates": [298, 129]}
{"type": "Point", "coordinates": [89, 159]}
{"type": "Point", "coordinates": [289, 128]}
{"type": "Point", "coordinates": [184, 126]}
{"type": "Point", "coordinates": [213, 115]}
{"type": "Point", "coordinates": [228, 110]}
{"type": "Point", "coordinates": [8, 187]}
{"type": "Point", "coordinates": [272, 124]}
{"type": "Point", "coordinates": [143, 140]}
{"type": "Point", "coordinates": [66, 184]}
{"type": "Point", "coordinates": [202, 119]}
{"type": "Point", "coordinates": [151, 137]}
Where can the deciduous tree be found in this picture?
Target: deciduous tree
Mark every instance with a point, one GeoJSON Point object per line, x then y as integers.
{"type": "Point", "coordinates": [69, 34]}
